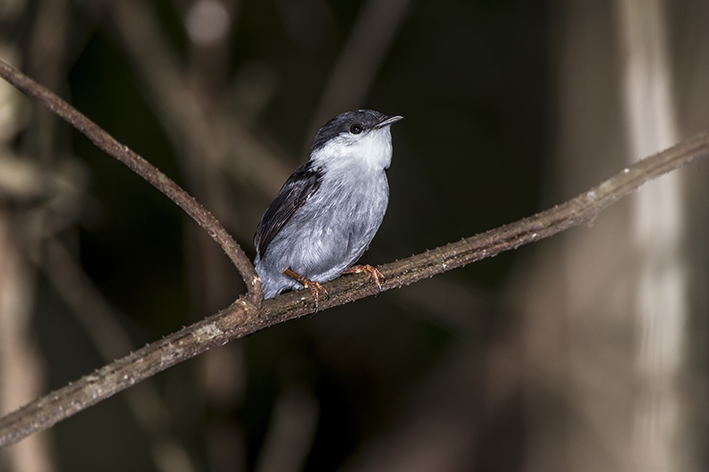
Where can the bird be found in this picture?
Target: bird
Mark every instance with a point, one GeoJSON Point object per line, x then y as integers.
{"type": "Point", "coordinates": [328, 211]}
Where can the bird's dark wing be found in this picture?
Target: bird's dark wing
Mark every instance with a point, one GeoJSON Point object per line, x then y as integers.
{"type": "Point", "coordinates": [304, 182]}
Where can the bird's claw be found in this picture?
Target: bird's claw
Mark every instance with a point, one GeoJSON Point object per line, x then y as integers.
{"type": "Point", "coordinates": [314, 287]}
{"type": "Point", "coordinates": [372, 272]}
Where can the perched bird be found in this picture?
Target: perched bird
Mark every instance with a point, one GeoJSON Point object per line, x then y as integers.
{"type": "Point", "coordinates": [328, 211]}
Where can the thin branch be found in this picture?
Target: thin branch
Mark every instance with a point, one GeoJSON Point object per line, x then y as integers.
{"type": "Point", "coordinates": [143, 168]}
{"type": "Point", "coordinates": [228, 144]}
{"type": "Point", "coordinates": [242, 319]}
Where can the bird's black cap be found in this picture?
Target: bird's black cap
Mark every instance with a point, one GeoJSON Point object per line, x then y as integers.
{"type": "Point", "coordinates": [367, 119]}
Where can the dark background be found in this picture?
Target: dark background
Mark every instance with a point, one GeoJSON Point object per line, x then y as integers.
{"type": "Point", "coordinates": [435, 376]}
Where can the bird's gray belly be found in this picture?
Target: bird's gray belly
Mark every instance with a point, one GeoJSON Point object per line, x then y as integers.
{"type": "Point", "coordinates": [325, 237]}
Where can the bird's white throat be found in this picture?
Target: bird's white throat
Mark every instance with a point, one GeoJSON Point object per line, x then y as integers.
{"type": "Point", "coordinates": [368, 152]}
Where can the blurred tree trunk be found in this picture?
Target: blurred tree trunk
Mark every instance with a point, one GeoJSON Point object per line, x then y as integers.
{"type": "Point", "coordinates": [607, 317]}
{"type": "Point", "coordinates": [22, 373]}
{"type": "Point", "coordinates": [22, 376]}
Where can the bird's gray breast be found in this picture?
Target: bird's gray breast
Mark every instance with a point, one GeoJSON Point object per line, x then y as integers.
{"type": "Point", "coordinates": [335, 226]}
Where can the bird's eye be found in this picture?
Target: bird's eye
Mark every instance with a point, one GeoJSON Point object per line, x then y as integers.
{"type": "Point", "coordinates": [356, 128]}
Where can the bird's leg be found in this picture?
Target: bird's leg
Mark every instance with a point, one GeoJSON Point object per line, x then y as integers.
{"type": "Point", "coordinates": [372, 272]}
{"type": "Point", "coordinates": [315, 287]}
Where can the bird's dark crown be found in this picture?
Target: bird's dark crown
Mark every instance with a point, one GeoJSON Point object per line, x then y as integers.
{"type": "Point", "coordinates": [367, 119]}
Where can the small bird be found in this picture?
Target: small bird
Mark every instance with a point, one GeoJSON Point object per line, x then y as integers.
{"type": "Point", "coordinates": [328, 211]}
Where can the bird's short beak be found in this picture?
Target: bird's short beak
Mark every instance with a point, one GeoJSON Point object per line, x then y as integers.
{"type": "Point", "coordinates": [389, 120]}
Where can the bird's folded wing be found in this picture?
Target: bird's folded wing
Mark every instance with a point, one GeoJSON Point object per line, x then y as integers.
{"type": "Point", "coordinates": [304, 182]}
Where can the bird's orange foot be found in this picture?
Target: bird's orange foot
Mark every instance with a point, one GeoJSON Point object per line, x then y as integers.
{"type": "Point", "coordinates": [372, 272]}
{"type": "Point", "coordinates": [314, 287]}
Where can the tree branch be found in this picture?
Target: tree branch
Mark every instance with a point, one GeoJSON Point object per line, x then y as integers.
{"type": "Point", "coordinates": [243, 318]}
{"type": "Point", "coordinates": [140, 166]}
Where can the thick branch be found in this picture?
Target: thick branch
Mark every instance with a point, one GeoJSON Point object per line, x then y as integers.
{"type": "Point", "coordinates": [242, 319]}
{"type": "Point", "coordinates": [143, 168]}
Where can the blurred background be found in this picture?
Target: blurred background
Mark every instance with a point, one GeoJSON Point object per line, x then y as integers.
{"type": "Point", "coordinates": [585, 352]}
